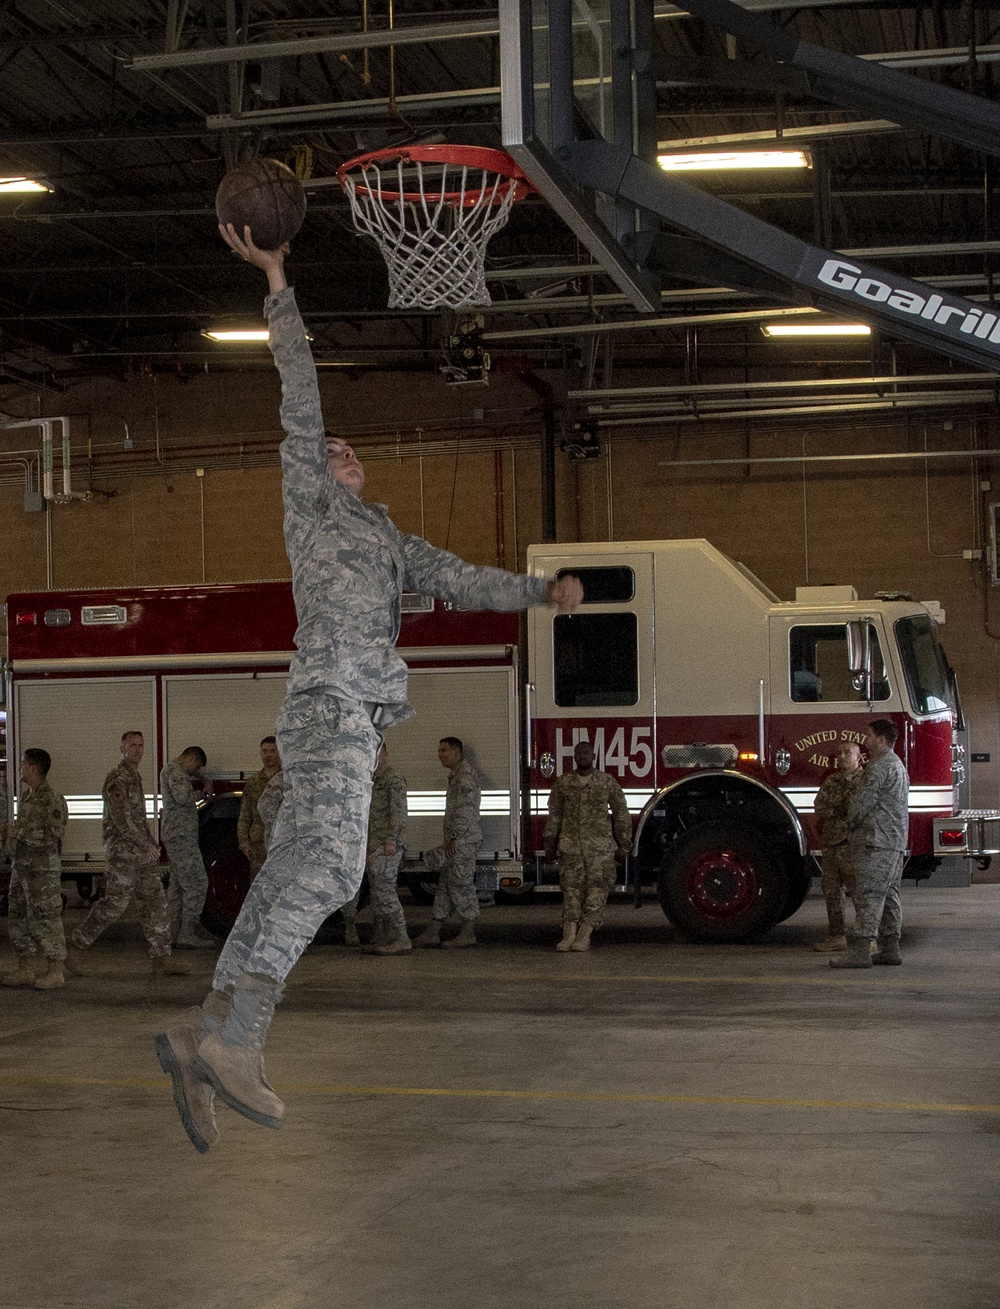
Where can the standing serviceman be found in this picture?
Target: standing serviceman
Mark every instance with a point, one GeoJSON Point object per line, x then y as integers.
{"type": "Point", "coordinates": [250, 826]}
{"type": "Point", "coordinates": [878, 816]}
{"type": "Point", "coordinates": [590, 828]}
{"type": "Point", "coordinates": [347, 684]}
{"type": "Point", "coordinates": [34, 914]}
{"type": "Point", "coordinates": [456, 859]}
{"type": "Point", "coordinates": [386, 844]}
{"type": "Point", "coordinates": [179, 834]}
{"type": "Point", "coordinates": [132, 858]}
{"type": "Point", "coordinates": [837, 872]}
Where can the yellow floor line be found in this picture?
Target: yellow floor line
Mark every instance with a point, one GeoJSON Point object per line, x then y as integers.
{"type": "Point", "coordinates": [496, 1093]}
{"type": "Point", "coordinates": [877, 977]}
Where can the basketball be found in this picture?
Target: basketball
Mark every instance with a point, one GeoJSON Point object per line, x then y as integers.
{"type": "Point", "coordinates": [264, 195]}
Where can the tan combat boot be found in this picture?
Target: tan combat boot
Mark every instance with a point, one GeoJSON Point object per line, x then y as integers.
{"type": "Point", "coordinates": [832, 945]}
{"type": "Point", "coordinates": [568, 937]}
{"type": "Point", "coordinates": [430, 937]}
{"type": "Point", "coordinates": [52, 977]}
{"type": "Point", "coordinates": [232, 1058]}
{"type": "Point", "coordinates": [176, 1050]}
{"type": "Point", "coordinates": [888, 951]}
{"type": "Point", "coordinates": [582, 941]}
{"type": "Point", "coordinates": [165, 965]}
{"type": "Point", "coordinates": [23, 975]}
{"type": "Point", "coordinates": [351, 937]}
{"type": "Point", "coordinates": [192, 936]}
{"type": "Point", "coordinates": [400, 944]}
{"type": "Point", "coordinates": [465, 938]}
{"type": "Point", "coordinates": [857, 955]}
{"type": "Point", "coordinates": [78, 962]}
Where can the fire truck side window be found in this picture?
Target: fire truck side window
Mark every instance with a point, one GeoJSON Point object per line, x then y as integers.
{"type": "Point", "coordinates": [596, 659]}
{"type": "Point", "coordinates": [604, 586]}
{"type": "Point", "coordinates": [820, 670]}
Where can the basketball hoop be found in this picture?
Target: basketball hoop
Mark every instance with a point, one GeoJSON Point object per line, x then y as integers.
{"type": "Point", "coordinates": [432, 210]}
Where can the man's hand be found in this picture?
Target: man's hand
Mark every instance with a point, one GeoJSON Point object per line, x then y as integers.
{"type": "Point", "coordinates": [10, 830]}
{"type": "Point", "coordinates": [449, 848]}
{"type": "Point", "coordinates": [272, 262]}
{"type": "Point", "coordinates": [390, 848]}
{"type": "Point", "coordinates": [245, 848]}
{"type": "Point", "coordinates": [566, 593]}
{"type": "Point", "coordinates": [622, 853]}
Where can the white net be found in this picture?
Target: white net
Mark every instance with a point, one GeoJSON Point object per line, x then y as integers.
{"type": "Point", "coordinates": [432, 222]}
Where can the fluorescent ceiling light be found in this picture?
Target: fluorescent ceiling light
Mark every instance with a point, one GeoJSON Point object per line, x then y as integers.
{"type": "Point", "coordinates": [733, 159]}
{"type": "Point", "coordinates": [816, 329]}
{"type": "Point", "coordinates": [19, 184]}
{"type": "Point", "coordinates": [244, 334]}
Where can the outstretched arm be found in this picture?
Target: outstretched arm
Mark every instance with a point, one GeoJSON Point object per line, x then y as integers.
{"type": "Point", "coordinates": [272, 262]}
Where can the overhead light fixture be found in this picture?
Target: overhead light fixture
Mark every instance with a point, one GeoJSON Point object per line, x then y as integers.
{"type": "Point", "coordinates": [716, 159]}
{"type": "Point", "coordinates": [242, 334]}
{"type": "Point", "coordinates": [12, 185]}
{"type": "Point", "coordinates": [816, 329]}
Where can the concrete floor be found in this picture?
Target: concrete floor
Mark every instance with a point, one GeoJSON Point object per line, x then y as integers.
{"type": "Point", "coordinates": [653, 1125]}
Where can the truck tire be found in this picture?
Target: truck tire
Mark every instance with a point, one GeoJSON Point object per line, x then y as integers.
{"type": "Point", "coordinates": [798, 889]}
{"type": "Point", "coordinates": [721, 882]}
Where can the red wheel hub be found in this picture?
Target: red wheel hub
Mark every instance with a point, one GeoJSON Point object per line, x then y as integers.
{"type": "Point", "coordinates": [721, 884]}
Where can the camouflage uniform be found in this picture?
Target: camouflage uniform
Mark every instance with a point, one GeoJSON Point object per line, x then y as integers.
{"type": "Point", "coordinates": [179, 834]}
{"type": "Point", "coordinates": [133, 866]}
{"type": "Point", "coordinates": [588, 819]}
{"type": "Point", "coordinates": [386, 824]}
{"type": "Point", "coordinates": [878, 815]}
{"type": "Point", "coordinates": [268, 806]}
{"type": "Point", "coordinates": [456, 891]}
{"type": "Point", "coordinates": [35, 905]}
{"type": "Point", "coordinates": [837, 868]}
{"type": "Point", "coordinates": [350, 565]}
{"type": "Point", "coordinates": [250, 827]}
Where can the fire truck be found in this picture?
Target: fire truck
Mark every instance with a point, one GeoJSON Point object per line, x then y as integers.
{"type": "Point", "coordinates": [718, 707]}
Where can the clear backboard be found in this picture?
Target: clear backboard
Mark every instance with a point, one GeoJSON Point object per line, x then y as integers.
{"type": "Point", "coordinates": [573, 73]}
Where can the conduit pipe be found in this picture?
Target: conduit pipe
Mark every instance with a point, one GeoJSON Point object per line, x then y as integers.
{"type": "Point", "coordinates": [829, 459]}
{"type": "Point", "coordinates": [48, 460]}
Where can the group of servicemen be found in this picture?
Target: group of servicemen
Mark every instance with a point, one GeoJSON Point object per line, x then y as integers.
{"type": "Point", "coordinates": [589, 831]}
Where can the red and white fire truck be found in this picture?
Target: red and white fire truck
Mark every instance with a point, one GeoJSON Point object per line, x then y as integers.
{"type": "Point", "coordinates": [717, 706]}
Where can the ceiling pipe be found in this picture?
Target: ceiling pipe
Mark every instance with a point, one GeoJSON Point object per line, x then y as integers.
{"type": "Point", "coordinates": [806, 411]}
{"type": "Point", "coordinates": [828, 459]}
{"type": "Point", "coordinates": [807, 384]}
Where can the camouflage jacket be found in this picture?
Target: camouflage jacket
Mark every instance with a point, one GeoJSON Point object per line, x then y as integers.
{"type": "Point", "coordinates": [831, 804]}
{"type": "Point", "coordinates": [461, 805]}
{"type": "Point", "coordinates": [179, 815]}
{"type": "Point", "coordinates": [350, 563]}
{"type": "Point", "coordinates": [879, 809]}
{"type": "Point", "coordinates": [126, 833]}
{"type": "Point", "coordinates": [270, 802]}
{"type": "Point", "coordinates": [387, 815]}
{"type": "Point", "coordinates": [41, 821]}
{"type": "Point", "coordinates": [250, 825]}
{"type": "Point", "coordinates": [587, 813]}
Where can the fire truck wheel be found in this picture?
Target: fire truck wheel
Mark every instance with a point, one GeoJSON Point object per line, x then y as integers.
{"type": "Point", "coordinates": [721, 882]}
{"type": "Point", "coordinates": [798, 889]}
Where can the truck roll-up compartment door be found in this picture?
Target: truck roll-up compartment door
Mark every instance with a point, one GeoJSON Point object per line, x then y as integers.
{"type": "Point", "coordinates": [80, 722]}
{"type": "Point", "coordinates": [479, 706]}
{"type": "Point", "coordinates": [227, 714]}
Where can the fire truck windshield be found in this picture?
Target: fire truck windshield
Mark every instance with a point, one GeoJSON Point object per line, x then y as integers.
{"type": "Point", "coordinates": [924, 665]}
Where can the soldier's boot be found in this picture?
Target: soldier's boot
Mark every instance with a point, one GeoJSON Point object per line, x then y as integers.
{"type": "Point", "coordinates": [568, 936]}
{"type": "Point", "coordinates": [430, 937]}
{"type": "Point", "coordinates": [582, 939]}
{"type": "Point", "coordinates": [232, 1059]}
{"type": "Point", "coordinates": [193, 936]}
{"type": "Point", "coordinates": [857, 955]}
{"type": "Point", "coordinates": [832, 944]}
{"type": "Point", "coordinates": [399, 944]}
{"type": "Point", "coordinates": [23, 975]}
{"type": "Point", "coordinates": [888, 951]}
{"type": "Point", "coordinates": [52, 977]}
{"type": "Point", "coordinates": [351, 932]}
{"type": "Point", "coordinates": [165, 965]}
{"type": "Point", "coordinates": [466, 937]}
{"type": "Point", "coordinates": [176, 1050]}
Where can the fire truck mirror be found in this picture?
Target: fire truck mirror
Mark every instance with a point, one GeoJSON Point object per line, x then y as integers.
{"type": "Point", "coordinates": [859, 652]}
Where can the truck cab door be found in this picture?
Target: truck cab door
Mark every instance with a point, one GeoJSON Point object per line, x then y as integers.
{"type": "Point", "coordinates": [591, 675]}
{"type": "Point", "coordinates": [817, 702]}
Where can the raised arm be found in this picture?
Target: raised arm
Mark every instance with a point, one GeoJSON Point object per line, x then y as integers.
{"type": "Point", "coordinates": [304, 464]}
{"type": "Point", "coordinates": [432, 571]}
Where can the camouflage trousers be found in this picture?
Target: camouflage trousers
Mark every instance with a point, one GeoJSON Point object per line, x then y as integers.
{"type": "Point", "coordinates": [34, 915]}
{"type": "Point", "coordinates": [188, 879]}
{"type": "Point", "coordinates": [316, 857]}
{"type": "Point", "coordinates": [879, 875]}
{"type": "Point", "coordinates": [383, 875]}
{"type": "Point", "coordinates": [586, 878]}
{"type": "Point", "coordinates": [456, 891]}
{"type": "Point", "coordinates": [122, 883]}
{"type": "Point", "coordinates": [838, 876]}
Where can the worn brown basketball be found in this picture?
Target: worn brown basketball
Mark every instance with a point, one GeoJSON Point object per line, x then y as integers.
{"type": "Point", "coordinates": [264, 195]}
